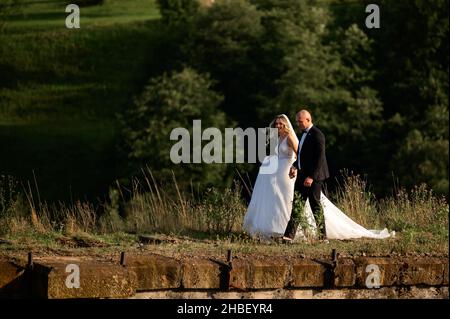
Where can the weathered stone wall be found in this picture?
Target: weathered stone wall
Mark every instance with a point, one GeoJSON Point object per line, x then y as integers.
{"type": "Point", "coordinates": [156, 276]}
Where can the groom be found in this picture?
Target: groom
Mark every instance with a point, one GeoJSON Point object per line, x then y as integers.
{"type": "Point", "coordinates": [312, 168]}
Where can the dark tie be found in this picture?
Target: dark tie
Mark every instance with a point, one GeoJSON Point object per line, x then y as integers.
{"type": "Point", "coordinates": [304, 131]}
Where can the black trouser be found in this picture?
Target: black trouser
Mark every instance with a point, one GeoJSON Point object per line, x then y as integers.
{"type": "Point", "coordinates": [313, 194]}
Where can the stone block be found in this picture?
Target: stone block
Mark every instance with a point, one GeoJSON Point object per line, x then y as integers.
{"type": "Point", "coordinates": [81, 278]}
{"type": "Point", "coordinates": [199, 273]}
{"type": "Point", "coordinates": [307, 273]}
{"type": "Point", "coordinates": [259, 273]}
{"type": "Point", "coordinates": [155, 271]}
{"type": "Point", "coordinates": [345, 275]}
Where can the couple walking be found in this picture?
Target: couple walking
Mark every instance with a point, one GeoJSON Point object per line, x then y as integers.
{"type": "Point", "coordinates": [302, 166]}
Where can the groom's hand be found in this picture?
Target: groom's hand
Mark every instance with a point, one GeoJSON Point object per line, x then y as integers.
{"type": "Point", "coordinates": [308, 182]}
{"type": "Point", "coordinates": [292, 172]}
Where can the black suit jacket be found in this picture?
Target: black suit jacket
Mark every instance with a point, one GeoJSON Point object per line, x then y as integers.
{"type": "Point", "coordinates": [312, 157]}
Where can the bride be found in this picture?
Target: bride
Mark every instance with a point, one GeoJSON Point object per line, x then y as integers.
{"type": "Point", "coordinates": [270, 206]}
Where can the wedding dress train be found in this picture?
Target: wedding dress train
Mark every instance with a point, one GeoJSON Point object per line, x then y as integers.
{"type": "Point", "coordinates": [337, 224]}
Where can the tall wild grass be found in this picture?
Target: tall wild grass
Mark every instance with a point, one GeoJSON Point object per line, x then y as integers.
{"type": "Point", "coordinates": [147, 207]}
{"type": "Point", "coordinates": [416, 210]}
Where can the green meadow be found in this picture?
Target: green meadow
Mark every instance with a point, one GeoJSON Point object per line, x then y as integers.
{"type": "Point", "coordinates": [60, 91]}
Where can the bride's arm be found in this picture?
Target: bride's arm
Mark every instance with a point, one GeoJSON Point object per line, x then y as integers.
{"type": "Point", "coordinates": [292, 142]}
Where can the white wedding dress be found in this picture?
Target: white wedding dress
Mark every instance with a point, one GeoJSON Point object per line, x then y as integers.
{"type": "Point", "coordinates": [270, 207]}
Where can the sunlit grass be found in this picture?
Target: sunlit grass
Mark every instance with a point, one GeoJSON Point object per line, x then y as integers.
{"type": "Point", "coordinates": [45, 15]}
{"type": "Point", "coordinates": [201, 226]}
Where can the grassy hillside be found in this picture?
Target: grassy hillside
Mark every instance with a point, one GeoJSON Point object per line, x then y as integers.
{"type": "Point", "coordinates": [60, 89]}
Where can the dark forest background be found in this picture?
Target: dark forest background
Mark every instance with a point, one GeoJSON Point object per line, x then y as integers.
{"type": "Point", "coordinates": [82, 109]}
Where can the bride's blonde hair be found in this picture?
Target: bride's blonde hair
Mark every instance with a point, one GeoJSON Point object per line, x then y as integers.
{"type": "Point", "coordinates": [281, 117]}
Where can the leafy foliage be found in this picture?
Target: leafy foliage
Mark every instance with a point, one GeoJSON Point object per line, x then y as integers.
{"type": "Point", "coordinates": [168, 102]}
{"type": "Point", "coordinates": [177, 12]}
{"type": "Point", "coordinates": [362, 86]}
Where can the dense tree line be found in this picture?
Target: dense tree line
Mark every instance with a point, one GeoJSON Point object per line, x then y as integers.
{"type": "Point", "coordinates": [379, 95]}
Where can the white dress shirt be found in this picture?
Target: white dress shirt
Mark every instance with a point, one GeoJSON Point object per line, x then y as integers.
{"type": "Point", "coordinates": [302, 140]}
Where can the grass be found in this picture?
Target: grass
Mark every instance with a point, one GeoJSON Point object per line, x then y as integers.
{"type": "Point", "coordinates": [60, 90]}
{"type": "Point", "coordinates": [111, 244]}
{"type": "Point", "coordinates": [413, 212]}
{"type": "Point", "coordinates": [74, 73]}
{"type": "Point", "coordinates": [209, 225]}
{"type": "Point", "coordinates": [44, 15]}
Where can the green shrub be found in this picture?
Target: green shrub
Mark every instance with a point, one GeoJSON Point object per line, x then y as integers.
{"type": "Point", "coordinates": [172, 101]}
{"type": "Point", "coordinates": [221, 211]}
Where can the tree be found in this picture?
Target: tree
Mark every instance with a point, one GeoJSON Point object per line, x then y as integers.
{"type": "Point", "coordinates": [177, 12]}
{"type": "Point", "coordinates": [421, 161]}
{"type": "Point", "coordinates": [224, 45]}
{"type": "Point", "coordinates": [412, 58]}
{"type": "Point", "coordinates": [325, 69]}
{"type": "Point", "coordinates": [167, 102]}
{"type": "Point", "coordinates": [176, 32]}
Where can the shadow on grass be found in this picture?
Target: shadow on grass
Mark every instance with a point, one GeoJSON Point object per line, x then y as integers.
{"type": "Point", "coordinates": [70, 160]}
{"type": "Point", "coordinates": [47, 16]}
{"type": "Point", "coordinates": [9, 76]}
{"type": "Point", "coordinates": [67, 101]}
{"type": "Point", "coordinates": [39, 2]}
{"type": "Point", "coordinates": [233, 236]}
